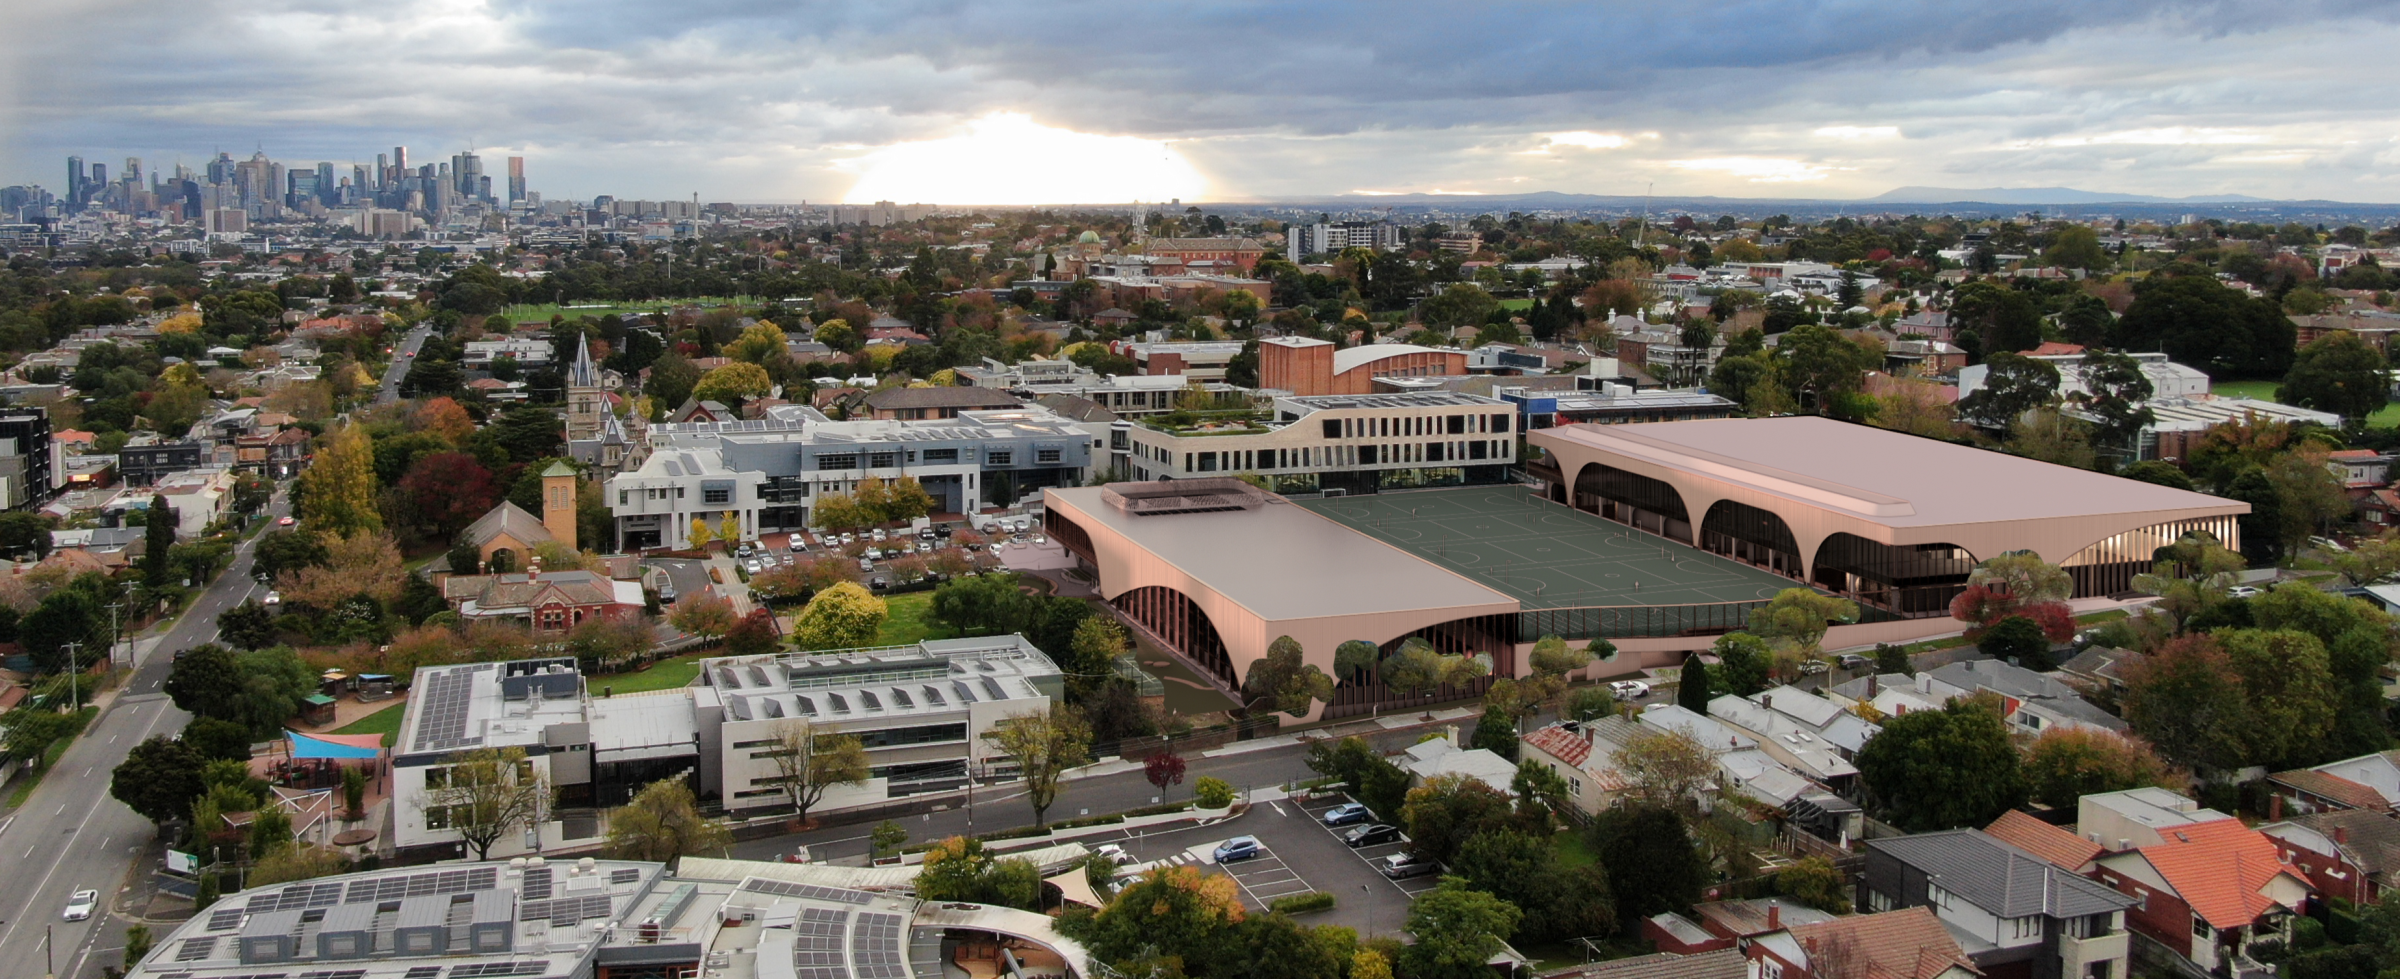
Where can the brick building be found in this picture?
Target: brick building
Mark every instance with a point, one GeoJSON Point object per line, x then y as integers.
{"type": "Point", "coordinates": [1311, 367]}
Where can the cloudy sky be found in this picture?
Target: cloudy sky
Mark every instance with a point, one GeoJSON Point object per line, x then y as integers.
{"type": "Point", "coordinates": [951, 101]}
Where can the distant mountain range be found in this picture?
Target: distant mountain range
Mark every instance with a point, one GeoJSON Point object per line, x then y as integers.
{"type": "Point", "coordinates": [2043, 195]}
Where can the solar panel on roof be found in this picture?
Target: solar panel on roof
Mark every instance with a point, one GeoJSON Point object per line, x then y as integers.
{"type": "Point", "coordinates": [442, 718]}
{"type": "Point", "coordinates": [423, 972]}
{"type": "Point", "coordinates": [195, 949]}
{"type": "Point", "coordinates": [992, 687]}
{"type": "Point", "coordinates": [933, 697]}
{"type": "Point", "coordinates": [223, 919]}
{"type": "Point", "coordinates": [875, 947]}
{"type": "Point", "coordinates": [760, 885]}
{"type": "Point", "coordinates": [867, 699]}
{"type": "Point", "coordinates": [840, 706]}
{"type": "Point", "coordinates": [900, 697]}
{"type": "Point", "coordinates": [808, 708]}
{"type": "Point", "coordinates": [625, 876]}
{"type": "Point", "coordinates": [536, 885]}
{"type": "Point", "coordinates": [965, 696]}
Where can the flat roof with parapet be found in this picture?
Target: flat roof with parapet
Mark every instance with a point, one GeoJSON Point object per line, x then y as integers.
{"type": "Point", "coordinates": [1283, 562]}
{"type": "Point", "coordinates": [1887, 477]}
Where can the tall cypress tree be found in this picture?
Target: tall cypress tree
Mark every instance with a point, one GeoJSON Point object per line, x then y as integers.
{"type": "Point", "coordinates": [158, 537]}
{"type": "Point", "coordinates": [1694, 693]}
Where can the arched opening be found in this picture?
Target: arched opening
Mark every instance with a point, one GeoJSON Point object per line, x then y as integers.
{"type": "Point", "coordinates": [1494, 636]}
{"type": "Point", "coordinates": [2107, 567]}
{"type": "Point", "coordinates": [502, 560]}
{"type": "Point", "coordinates": [1912, 580]}
{"type": "Point", "coordinates": [1752, 536]}
{"type": "Point", "coordinates": [1634, 500]}
{"type": "Point", "coordinates": [1174, 622]}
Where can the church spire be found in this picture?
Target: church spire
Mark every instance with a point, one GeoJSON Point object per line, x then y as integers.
{"type": "Point", "coordinates": [583, 374]}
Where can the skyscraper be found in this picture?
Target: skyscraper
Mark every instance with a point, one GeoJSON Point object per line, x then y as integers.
{"type": "Point", "coordinates": [74, 181]}
{"type": "Point", "coordinates": [325, 182]}
{"type": "Point", "coordinates": [400, 158]}
{"type": "Point", "coordinates": [516, 179]}
{"type": "Point", "coordinates": [467, 171]}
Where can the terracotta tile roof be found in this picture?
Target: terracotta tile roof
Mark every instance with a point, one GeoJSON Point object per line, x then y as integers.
{"type": "Point", "coordinates": [1562, 744]}
{"type": "Point", "coordinates": [2043, 840]}
{"type": "Point", "coordinates": [2332, 787]}
{"type": "Point", "coordinates": [1905, 944]}
{"type": "Point", "coordinates": [2219, 868]}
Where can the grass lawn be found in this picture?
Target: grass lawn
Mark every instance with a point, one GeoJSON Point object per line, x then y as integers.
{"type": "Point", "coordinates": [1572, 850]}
{"type": "Point", "coordinates": [662, 675]}
{"type": "Point", "coordinates": [1516, 305]}
{"type": "Point", "coordinates": [2253, 390]}
{"type": "Point", "coordinates": [909, 620]}
{"type": "Point", "coordinates": [385, 722]}
{"type": "Point", "coordinates": [542, 311]}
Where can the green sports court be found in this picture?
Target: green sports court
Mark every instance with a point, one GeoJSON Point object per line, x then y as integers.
{"type": "Point", "coordinates": [1545, 554]}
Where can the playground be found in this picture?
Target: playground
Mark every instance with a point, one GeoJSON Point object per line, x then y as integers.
{"type": "Point", "coordinates": [1546, 554]}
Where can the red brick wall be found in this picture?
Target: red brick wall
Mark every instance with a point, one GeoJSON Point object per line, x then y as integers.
{"type": "Point", "coordinates": [1305, 370]}
{"type": "Point", "coordinates": [1664, 941]}
{"type": "Point", "coordinates": [1164, 363]}
{"type": "Point", "coordinates": [2160, 915]}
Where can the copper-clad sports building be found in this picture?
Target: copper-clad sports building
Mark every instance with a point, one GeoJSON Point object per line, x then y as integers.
{"type": "Point", "coordinates": [1676, 529]}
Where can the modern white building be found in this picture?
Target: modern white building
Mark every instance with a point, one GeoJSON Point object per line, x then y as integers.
{"type": "Point", "coordinates": [920, 710]}
{"type": "Point", "coordinates": [1353, 443]}
{"type": "Point", "coordinates": [530, 353]}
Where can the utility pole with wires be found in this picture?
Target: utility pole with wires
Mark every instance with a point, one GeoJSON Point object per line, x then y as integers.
{"type": "Point", "coordinates": [1644, 234]}
{"type": "Point", "coordinates": [74, 667]}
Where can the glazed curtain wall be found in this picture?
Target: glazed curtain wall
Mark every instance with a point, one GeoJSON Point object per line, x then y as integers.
{"type": "Point", "coordinates": [2108, 567]}
{"type": "Point", "coordinates": [1911, 580]}
{"type": "Point", "coordinates": [1634, 499]}
{"type": "Point", "coordinates": [1180, 626]}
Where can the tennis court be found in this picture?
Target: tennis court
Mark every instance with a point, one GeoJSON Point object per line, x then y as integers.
{"type": "Point", "coordinates": [1546, 554]}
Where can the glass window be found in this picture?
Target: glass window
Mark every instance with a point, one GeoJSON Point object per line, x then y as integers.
{"type": "Point", "coordinates": [716, 496]}
{"type": "Point", "coordinates": [843, 461]}
{"type": "Point", "coordinates": [1045, 455]}
{"type": "Point", "coordinates": [998, 458]}
{"type": "Point", "coordinates": [883, 460]}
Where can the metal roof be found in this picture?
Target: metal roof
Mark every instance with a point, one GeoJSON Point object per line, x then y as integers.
{"type": "Point", "coordinates": [1999, 878]}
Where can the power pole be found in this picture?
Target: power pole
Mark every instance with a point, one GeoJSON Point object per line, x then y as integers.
{"type": "Point", "coordinates": [74, 691]}
{"type": "Point", "coordinates": [115, 635]}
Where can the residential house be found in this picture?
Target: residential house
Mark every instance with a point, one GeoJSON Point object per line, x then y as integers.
{"type": "Point", "coordinates": [2347, 853]}
{"type": "Point", "coordinates": [1726, 924]}
{"type": "Point", "coordinates": [2098, 668]}
{"type": "Point", "coordinates": [2208, 891]}
{"type": "Point", "coordinates": [1793, 744]}
{"type": "Point", "coordinates": [2036, 702]}
{"type": "Point", "coordinates": [1580, 753]}
{"type": "Point", "coordinates": [1725, 963]}
{"type": "Point", "coordinates": [2133, 818]}
{"type": "Point", "coordinates": [551, 603]}
{"type": "Point", "coordinates": [1436, 757]}
{"type": "Point", "coordinates": [1905, 944]}
{"type": "Point", "coordinates": [2056, 844]}
{"type": "Point", "coordinates": [2016, 914]}
{"type": "Point", "coordinates": [916, 404]}
{"type": "Point", "coordinates": [198, 498]}
{"type": "Point", "coordinates": [2361, 471]}
{"type": "Point", "coordinates": [2369, 782]}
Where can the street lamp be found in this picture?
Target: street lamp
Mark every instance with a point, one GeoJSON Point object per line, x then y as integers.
{"type": "Point", "coordinates": [1369, 889]}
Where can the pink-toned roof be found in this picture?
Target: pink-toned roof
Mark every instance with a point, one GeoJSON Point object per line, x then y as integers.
{"type": "Point", "coordinates": [1562, 744]}
{"type": "Point", "coordinates": [2220, 868]}
{"type": "Point", "coordinates": [1888, 478]}
{"type": "Point", "coordinates": [1906, 944]}
{"type": "Point", "coordinates": [2043, 840]}
{"type": "Point", "coordinates": [2053, 348]}
{"type": "Point", "coordinates": [2361, 454]}
{"type": "Point", "coordinates": [2333, 788]}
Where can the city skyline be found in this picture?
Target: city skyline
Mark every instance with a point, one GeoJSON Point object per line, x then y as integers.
{"type": "Point", "coordinates": [1209, 103]}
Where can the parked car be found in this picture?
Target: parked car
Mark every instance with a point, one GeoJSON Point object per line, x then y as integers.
{"type": "Point", "coordinates": [1811, 667]}
{"type": "Point", "coordinates": [1401, 866]}
{"type": "Point", "coordinates": [799, 546]}
{"type": "Point", "coordinates": [284, 522]}
{"type": "Point", "coordinates": [81, 903]}
{"type": "Point", "coordinates": [1854, 661]}
{"type": "Point", "coordinates": [1629, 689]}
{"type": "Point", "coordinates": [1237, 848]}
{"type": "Point", "coordinates": [2242, 591]}
{"type": "Point", "coordinates": [1347, 813]}
{"type": "Point", "coordinates": [1115, 854]}
{"type": "Point", "coordinates": [865, 565]}
{"type": "Point", "coordinates": [1372, 834]}
{"type": "Point", "coordinates": [273, 599]}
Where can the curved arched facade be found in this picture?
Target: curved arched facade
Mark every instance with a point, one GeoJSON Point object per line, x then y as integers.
{"type": "Point", "coordinates": [1633, 499]}
{"type": "Point", "coordinates": [1923, 504]}
{"type": "Point", "coordinates": [1752, 536]}
{"type": "Point", "coordinates": [1216, 588]}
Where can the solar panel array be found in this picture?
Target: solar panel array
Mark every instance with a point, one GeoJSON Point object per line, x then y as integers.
{"type": "Point", "coordinates": [813, 892]}
{"type": "Point", "coordinates": [423, 972]}
{"type": "Point", "coordinates": [626, 876]}
{"type": "Point", "coordinates": [442, 715]}
{"type": "Point", "coordinates": [226, 918]}
{"type": "Point", "coordinates": [335, 974]}
{"type": "Point", "coordinates": [817, 944]}
{"type": "Point", "coordinates": [398, 886]}
{"type": "Point", "coordinates": [488, 970]}
{"type": "Point", "coordinates": [536, 884]}
{"type": "Point", "coordinates": [564, 912]}
{"type": "Point", "coordinates": [299, 896]}
{"type": "Point", "coordinates": [875, 947]}
{"type": "Point", "coordinates": [195, 949]}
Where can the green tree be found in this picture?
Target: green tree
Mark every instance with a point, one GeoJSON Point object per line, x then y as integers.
{"type": "Point", "coordinates": [2117, 394]}
{"type": "Point", "coordinates": [217, 739]}
{"type": "Point", "coordinates": [808, 762]}
{"type": "Point", "coordinates": [703, 614]}
{"type": "Point", "coordinates": [733, 383]}
{"type": "Point", "coordinates": [1356, 660]}
{"type": "Point", "coordinates": [844, 616]}
{"type": "Point", "coordinates": [2018, 640]}
{"type": "Point", "coordinates": [1816, 882]}
{"type": "Point", "coordinates": [1931, 770]}
{"type": "Point", "coordinates": [2338, 372]}
{"type": "Point", "coordinates": [1282, 682]}
{"type": "Point", "coordinates": [1893, 659]}
{"type": "Point", "coordinates": [2198, 321]}
{"type": "Point", "coordinates": [338, 489]}
{"type": "Point", "coordinates": [2263, 527]}
{"type": "Point", "coordinates": [1559, 902]}
{"type": "Point", "coordinates": [2013, 385]}
{"type": "Point", "coordinates": [486, 793]}
{"type": "Point", "coordinates": [204, 681]}
{"type": "Point", "coordinates": [1045, 746]}
{"type": "Point", "coordinates": [159, 778]}
{"type": "Point", "coordinates": [1553, 657]}
{"type": "Point", "coordinates": [662, 823]}
{"type": "Point", "coordinates": [1172, 915]}
{"type": "Point", "coordinates": [2287, 678]}
{"type": "Point", "coordinates": [137, 945]}
{"type": "Point", "coordinates": [1652, 865]}
{"type": "Point", "coordinates": [247, 626]}
{"type": "Point", "coordinates": [1821, 366]}
{"type": "Point", "coordinates": [1212, 792]}
{"type": "Point", "coordinates": [274, 683]}
{"type": "Point", "coordinates": [1695, 688]}
{"type": "Point", "coordinates": [2161, 473]}
{"type": "Point", "coordinates": [2067, 763]}
{"type": "Point", "coordinates": [66, 616]}
{"type": "Point", "coordinates": [960, 869]}
{"type": "Point", "coordinates": [2187, 699]}
{"type": "Point", "coordinates": [1462, 304]}
{"type": "Point", "coordinates": [1457, 929]}
{"type": "Point", "coordinates": [2075, 246]}
{"type": "Point", "coordinates": [1588, 703]}
{"type": "Point", "coordinates": [158, 538]}
{"type": "Point", "coordinates": [1745, 663]}
{"type": "Point", "coordinates": [1448, 810]}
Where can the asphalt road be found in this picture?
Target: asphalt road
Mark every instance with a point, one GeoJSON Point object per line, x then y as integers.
{"type": "Point", "coordinates": [71, 835]}
{"type": "Point", "coordinates": [402, 359]}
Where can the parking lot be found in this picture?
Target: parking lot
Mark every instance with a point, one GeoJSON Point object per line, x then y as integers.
{"type": "Point", "coordinates": [1298, 854]}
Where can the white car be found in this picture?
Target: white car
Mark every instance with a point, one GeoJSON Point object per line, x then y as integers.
{"type": "Point", "coordinates": [2241, 591]}
{"type": "Point", "coordinates": [81, 903]}
{"type": "Point", "coordinates": [1629, 689]}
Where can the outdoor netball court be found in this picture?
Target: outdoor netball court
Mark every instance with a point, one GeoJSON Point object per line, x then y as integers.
{"type": "Point", "coordinates": [1547, 554]}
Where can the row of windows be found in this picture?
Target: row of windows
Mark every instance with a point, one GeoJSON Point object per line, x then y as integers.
{"type": "Point", "coordinates": [940, 457]}
{"type": "Point", "coordinates": [1334, 456]}
{"type": "Point", "coordinates": [1403, 426]}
